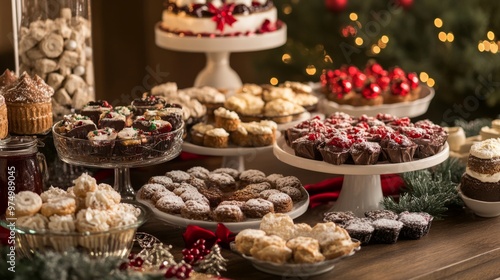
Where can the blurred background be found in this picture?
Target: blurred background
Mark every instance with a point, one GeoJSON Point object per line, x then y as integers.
{"type": "Point", "coordinates": [452, 46]}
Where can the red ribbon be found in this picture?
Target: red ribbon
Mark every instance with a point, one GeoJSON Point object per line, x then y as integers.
{"type": "Point", "coordinates": [222, 16]}
{"type": "Point", "coordinates": [222, 236]}
{"type": "Point", "coordinates": [329, 189]}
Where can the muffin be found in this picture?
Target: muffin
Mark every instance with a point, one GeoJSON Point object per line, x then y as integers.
{"type": "Point", "coordinates": [4, 122]}
{"type": "Point", "coordinates": [226, 119]}
{"type": "Point", "coordinates": [29, 106]}
{"type": "Point", "coordinates": [365, 153]}
{"type": "Point", "coordinates": [398, 148]}
{"type": "Point", "coordinates": [216, 138]}
{"type": "Point", "coordinates": [7, 79]}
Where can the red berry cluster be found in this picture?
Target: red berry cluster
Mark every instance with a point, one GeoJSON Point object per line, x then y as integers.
{"type": "Point", "coordinates": [133, 263]}
{"type": "Point", "coordinates": [370, 82]}
{"type": "Point", "coordinates": [180, 271]}
{"type": "Point", "coordinates": [195, 253]}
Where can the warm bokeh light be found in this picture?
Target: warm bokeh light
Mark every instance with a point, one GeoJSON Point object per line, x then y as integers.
{"type": "Point", "coordinates": [287, 9]}
{"type": "Point", "coordinates": [353, 16]}
{"type": "Point", "coordinates": [486, 46]}
{"type": "Point", "coordinates": [358, 41]}
{"type": "Point", "coordinates": [480, 47]}
{"type": "Point", "coordinates": [381, 44]}
{"type": "Point", "coordinates": [311, 70]}
{"type": "Point", "coordinates": [438, 22]}
{"type": "Point", "coordinates": [424, 76]}
{"type": "Point", "coordinates": [450, 37]}
{"type": "Point", "coordinates": [375, 49]}
{"type": "Point", "coordinates": [490, 35]}
{"type": "Point", "coordinates": [273, 81]}
{"type": "Point", "coordinates": [431, 82]}
{"type": "Point", "coordinates": [384, 39]}
{"type": "Point", "coordinates": [286, 58]}
{"type": "Point", "coordinates": [442, 36]}
{"type": "Point", "coordinates": [493, 48]}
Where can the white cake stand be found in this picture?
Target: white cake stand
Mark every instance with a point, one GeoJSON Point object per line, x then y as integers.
{"type": "Point", "coordinates": [217, 72]}
{"type": "Point", "coordinates": [361, 188]}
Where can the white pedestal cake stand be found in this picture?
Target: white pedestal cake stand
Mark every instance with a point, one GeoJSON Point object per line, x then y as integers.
{"type": "Point", "coordinates": [218, 72]}
{"type": "Point", "coordinates": [361, 188]}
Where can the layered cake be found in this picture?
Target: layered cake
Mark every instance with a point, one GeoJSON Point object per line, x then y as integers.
{"type": "Point", "coordinates": [371, 86]}
{"type": "Point", "coordinates": [29, 105]}
{"type": "Point", "coordinates": [481, 180]}
{"type": "Point", "coordinates": [219, 17]}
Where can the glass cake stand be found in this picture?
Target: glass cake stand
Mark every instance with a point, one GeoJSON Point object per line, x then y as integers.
{"type": "Point", "coordinates": [361, 188]}
{"type": "Point", "coordinates": [218, 72]}
{"type": "Point", "coordinates": [157, 149]}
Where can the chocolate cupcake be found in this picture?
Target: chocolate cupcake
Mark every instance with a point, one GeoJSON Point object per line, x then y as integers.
{"type": "Point", "coordinates": [360, 229]}
{"type": "Point", "coordinates": [102, 141]}
{"type": "Point", "coordinates": [94, 109]}
{"type": "Point", "coordinates": [75, 126]}
{"type": "Point", "coordinates": [29, 106]}
{"type": "Point", "coordinates": [148, 102]}
{"type": "Point", "coordinates": [129, 143]}
{"type": "Point", "coordinates": [365, 153]}
{"type": "Point", "coordinates": [335, 150]}
{"type": "Point", "coordinates": [307, 146]}
{"type": "Point", "coordinates": [398, 148]}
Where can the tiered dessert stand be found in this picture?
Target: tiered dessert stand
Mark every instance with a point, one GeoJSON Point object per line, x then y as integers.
{"type": "Point", "coordinates": [361, 188]}
{"type": "Point", "coordinates": [218, 72]}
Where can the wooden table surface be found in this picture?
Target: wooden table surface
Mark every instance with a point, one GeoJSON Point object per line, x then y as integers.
{"type": "Point", "coordinates": [462, 246]}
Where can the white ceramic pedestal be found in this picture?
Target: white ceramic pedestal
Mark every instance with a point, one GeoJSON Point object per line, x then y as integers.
{"type": "Point", "coordinates": [361, 188]}
{"type": "Point", "coordinates": [218, 72]}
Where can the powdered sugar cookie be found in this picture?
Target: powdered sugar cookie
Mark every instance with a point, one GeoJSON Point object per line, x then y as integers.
{"type": "Point", "coordinates": [102, 199]}
{"type": "Point", "coordinates": [27, 203]}
{"type": "Point", "coordinates": [84, 184]}
{"type": "Point", "coordinates": [63, 205]}
{"type": "Point", "coordinates": [51, 193]}
{"type": "Point", "coordinates": [35, 222]}
{"type": "Point", "coordinates": [65, 223]}
{"type": "Point", "coordinates": [92, 220]}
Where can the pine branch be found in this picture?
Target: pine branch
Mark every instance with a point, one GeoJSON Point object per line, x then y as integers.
{"type": "Point", "coordinates": [426, 191]}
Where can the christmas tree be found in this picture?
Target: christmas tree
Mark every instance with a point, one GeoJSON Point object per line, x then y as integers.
{"type": "Point", "coordinates": [451, 45]}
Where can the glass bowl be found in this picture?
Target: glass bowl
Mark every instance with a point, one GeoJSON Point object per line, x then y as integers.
{"type": "Point", "coordinates": [116, 242]}
{"type": "Point", "coordinates": [487, 209]}
{"type": "Point", "coordinates": [141, 151]}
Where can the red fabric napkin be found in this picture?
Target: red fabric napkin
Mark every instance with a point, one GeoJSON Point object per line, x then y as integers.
{"type": "Point", "coordinates": [329, 189]}
{"type": "Point", "coordinates": [222, 236]}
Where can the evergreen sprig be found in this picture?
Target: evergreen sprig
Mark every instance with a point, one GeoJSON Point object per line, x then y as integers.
{"type": "Point", "coordinates": [431, 191]}
{"type": "Point", "coordinates": [72, 265]}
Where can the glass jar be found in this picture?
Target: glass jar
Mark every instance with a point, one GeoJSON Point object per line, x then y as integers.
{"type": "Point", "coordinates": [53, 40]}
{"type": "Point", "coordinates": [22, 167]}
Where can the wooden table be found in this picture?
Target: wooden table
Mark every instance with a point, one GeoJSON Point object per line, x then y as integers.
{"type": "Point", "coordinates": [462, 246]}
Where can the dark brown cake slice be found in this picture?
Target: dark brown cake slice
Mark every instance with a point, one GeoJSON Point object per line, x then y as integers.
{"type": "Point", "coordinates": [113, 120]}
{"type": "Point", "coordinates": [75, 126]}
{"type": "Point", "coordinates": [386, 231]}
{"type": "Point", "coordinates": [381, 214]}
{"type": "Point", "coordinates": [360, 229]}
{"type": "Point", "coordinates": [415, 225]}
{"type": "Point", "coordinates": [94, 109]}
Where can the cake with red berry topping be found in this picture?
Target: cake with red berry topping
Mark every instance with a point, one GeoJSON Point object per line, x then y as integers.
{"type": "Point", "coordinates": [213, 18]}
{"type": "Point", "coordinates": [147, 102]}
{"type": "Point", "coordinates": [113, 120]}
{"type": "Point", "coordinates": [335, 149]}
{"type": "Point", "coordinates": [374, 85]}
{"type": "Point", "coordinates": [365, 140]}
{"type": "Point", "coordinates": [398, 148]}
